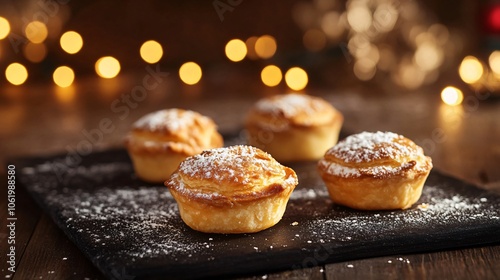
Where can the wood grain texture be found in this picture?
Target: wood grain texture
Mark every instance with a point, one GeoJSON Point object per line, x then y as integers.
{"type": "Point", "coordinates": [313, 273]}
{"type": "Point", "coordinates": [96, 210]}
{"type": "Point", "coordinates": [51, 255]}
{"type": "Point", "coordinates": [470, 263]}
{"type": "Point", "coordinates": [37, 125]}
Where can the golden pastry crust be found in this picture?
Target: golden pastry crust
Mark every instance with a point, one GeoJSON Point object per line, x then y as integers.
{"type": "Point", "coordinates": [159, 141]}
{"type": "Point", "coordinates": [238, 189]}
{"type": "Point", "coordinates": [293, 127]}
{"type": "Point", "coordinates": [375, 171]}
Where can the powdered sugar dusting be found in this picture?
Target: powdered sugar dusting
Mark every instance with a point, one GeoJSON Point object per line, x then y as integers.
{"type": "Point", "coordinates": [339, 170]}
{"type": "Point", "coordinates": [107, 214]}
{"type": "Point", "coordinates": [441, 209]}
{"type": "Point", "coordinates": [375, 171]}
{"type": "Point", "coordinates": [126, 226]}
{"type": "Point", "coordinates": [146, 214]}
{"type": "Point", "coordinates": [289, 104]}
{"type": "Point", "coordinates": [368, 146]}
{"type": "Point", "coordinates": [169, 119]}
{"type": "Point", "coordinates": [308, 194]}
{"type": "Point", "coordinates": [237, 164]}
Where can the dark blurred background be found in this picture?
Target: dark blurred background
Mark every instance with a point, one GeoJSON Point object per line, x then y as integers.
{"type": "Point", "coordinates": [429, 70]}
{"type": "Point", "coordinates": [407, 43]}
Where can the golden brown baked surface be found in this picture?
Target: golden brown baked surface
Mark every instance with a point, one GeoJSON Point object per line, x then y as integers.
{"type": "Point", "coordinates": [378, 155]}
{"type": "Point", "coordinates": [293, 127]}
{"type": "Point", "coordinates": [177, 130]}
{"type": "Point", "coordinates": [279, 112]}
{"type": "Point", "coordinates": [160, 141]}
{"type": "Point", "coordinates": [375, 171]}
{"type": "Point", "coordinates": [236, 174]}
{"type": "Point", "coordinates": [238, 189]}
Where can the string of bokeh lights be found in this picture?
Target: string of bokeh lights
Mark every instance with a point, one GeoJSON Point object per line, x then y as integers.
{"type": "Point", "coordinates": [388, 39]}
{"type": "Point", "coordinates": [368, 28]}
{"type": "Point", "coordinates": [108, 67]}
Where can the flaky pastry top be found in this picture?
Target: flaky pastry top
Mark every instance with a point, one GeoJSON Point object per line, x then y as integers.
{"type": "Point", "coordinates": [232, 174]}
{"type": "Point", "coordinates": [182, 131]}
{"type": "Point", "coordinates": [378, 154]}
{"type": "Point", "coordinates": [281, 111]}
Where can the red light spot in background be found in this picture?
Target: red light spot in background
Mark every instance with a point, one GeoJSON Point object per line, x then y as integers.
{"type": "Point", "coordinates": [494, 18]}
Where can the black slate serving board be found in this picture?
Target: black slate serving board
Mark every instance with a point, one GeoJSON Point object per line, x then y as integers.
{"type": "Point", "coordinates": [132, 230]}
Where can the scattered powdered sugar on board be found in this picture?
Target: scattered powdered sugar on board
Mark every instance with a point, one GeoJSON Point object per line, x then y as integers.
{"type": "Point", "coordinates": [308, 194]}
{"type": "Point", "coordinates": [441, 209]}
{"type": "Point", "coordinates": [121, 222]}
{"type": "Point", "coordinates": [147, 214]}
{"type": "Point", "coordinates": [109, 215]}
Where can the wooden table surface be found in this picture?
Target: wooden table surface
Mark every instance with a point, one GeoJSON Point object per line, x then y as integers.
{"type": "Point", "coordinates": [41, 119]}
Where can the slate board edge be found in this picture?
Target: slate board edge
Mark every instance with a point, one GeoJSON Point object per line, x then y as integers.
{"type": "Point", "coordinates": [297, 262]}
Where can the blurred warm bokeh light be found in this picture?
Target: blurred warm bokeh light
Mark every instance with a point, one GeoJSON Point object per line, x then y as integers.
{"type": "Point", "coordinates": [190, 73]}
{"type": "Point", "coordinates": [36, 31]}
{"type": "Point", "coordinates": [359, 18]}
{"type": "Point", "coordinates": [296, 78]}
{"type": "Point", "coordinates": [4, 28]}
{"type": "Point", "coordinates": [151, 51]}
{"type": "Point", "coordinates": [378, 41]}
{"type": "Point", "coordinates": [250, 43]}
{"type": "Point", "coordinates": [71, 42]}
{"type": "Point", "coordinates": [333, 24]}
{"type": "Point", "coordinates": [494, 62]}
{"type": "Point", "coordinates": [452, 96]}
{"type": "Point", "coordinates": [271, 75]}
{"type": "Point", "coordinates": [63, 76]}
{"type": "Point", "coordinates": [107, 67]}
{"type": "Point", "coordinates": [236, 50]}
{"type": "Point", "coordinates": [428, 56]}
{"type": "Point", "coordinates": [387, 40]}
{"type": "Point", "coordinates": [471, 70]}
{"type": "Point", "coordinates": [265, 46]}
{"type": "Point", "coordinates": [364, 69]}
{"type": "Point", "coordinates": [35, 52]}
{"type": "Point", "coordinates": [16, 73]}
